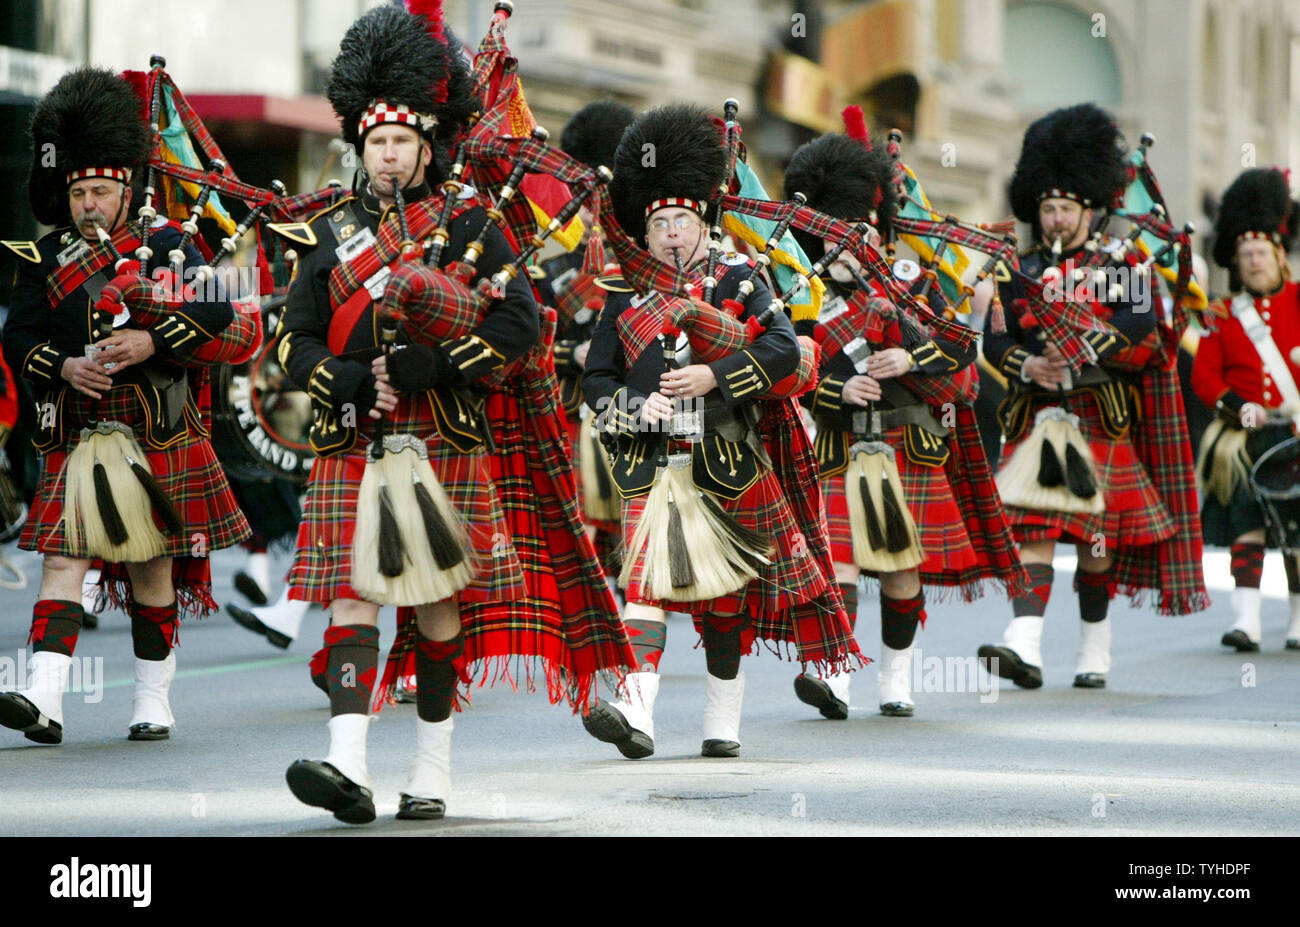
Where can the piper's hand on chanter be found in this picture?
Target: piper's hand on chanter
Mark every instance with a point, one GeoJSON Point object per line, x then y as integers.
{"type": "Point", "coordinates": [657, 408]}
{"type": "Point", "coordinates": [124, 348]}
{"type": "Point", "coordinates": [580, 353]}
{"type": "Point", "coordinates": [385, 397]}
{"type": "Point", "coordinates": [86, 376]}
{"type": "Point", "coordinates": [861, 389]}
{"type": "Point", "coordinates": [1053, 353]}
{"type": "Point", "coordinates": [688, 382]}
{"type": "Point", "coordinates": [891, 362]}
{"type": "Point", "coordinates": [1047, 374]}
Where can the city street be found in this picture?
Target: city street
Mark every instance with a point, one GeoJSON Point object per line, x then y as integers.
{"type": "Point", "coordinates": [1188, 739]}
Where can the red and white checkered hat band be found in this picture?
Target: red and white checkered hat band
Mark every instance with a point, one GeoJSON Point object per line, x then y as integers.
{"type": "Point", "coordinates": [1056, 193]}
{"type": "Point", "coordinates": [122, 174]}
{"type": "Point", "coordinates": [1253, 235]}
{"type": "Point", "coordinates": [683, 202]}
{"type": "Point", "coordinates": [381, 113]}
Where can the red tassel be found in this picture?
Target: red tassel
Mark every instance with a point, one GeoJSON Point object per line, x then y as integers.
{"type": "Point", "coordinates": [752, 328]}
{"type": "Point", "coordinates": [431, 10]}
{"type": "Point", "coordinates": [855, 125]}
{"type": "Point", "coordinates": [593, 261]}
{"type": "Point", "coordinates": [997, 320]}
{"type": "Point", "coordinates": [734, 307]}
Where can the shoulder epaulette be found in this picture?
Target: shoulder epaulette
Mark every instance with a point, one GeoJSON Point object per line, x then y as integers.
{"type": "Point", "coordinates": [302, 233]}
{"type": "Point", "coordinates": [24, 249]}
{"type": "Point", "coordinates": [614, 283]}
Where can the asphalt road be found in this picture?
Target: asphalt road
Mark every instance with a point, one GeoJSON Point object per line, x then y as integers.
{"type": "Point", "coordinates": [1188, 739]}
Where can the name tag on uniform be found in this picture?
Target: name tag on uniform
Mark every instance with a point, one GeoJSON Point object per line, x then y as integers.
{"type": "Point", "coordinates": [832, 309]}
{"type": "Point", "coordinates": [560, 283]}
{"type": "Point", "coordinates": [73, 251]}
{"type": "Point", "coordinates": [376, 284]}
{"type": "Point", "coordinates": [355, 244]}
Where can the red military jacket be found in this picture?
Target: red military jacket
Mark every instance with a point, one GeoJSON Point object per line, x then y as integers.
{"type": "Point", "coordinates": [1228, 369]}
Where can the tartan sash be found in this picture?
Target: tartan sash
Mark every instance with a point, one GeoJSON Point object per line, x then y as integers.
{"type": "Point", "coordinates": [868, 317]}
{"type": "Point", "coordinates": [67, 279]}
{"type": "Point", "coordinates": [347, 280]}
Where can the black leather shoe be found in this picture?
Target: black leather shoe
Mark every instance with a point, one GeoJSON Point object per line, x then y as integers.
{"type": "Point", "coordinates": [147, 731]}
{"type": "Point", "coordinates": [1090, 681]}
{"type": "Point", "coordinates": [720, 748]}
{"type": "Point", "coordinates": [607, 724]}
{"type": "Point", "coordinates": [320, 785]}
{"type": "Point", "coordinates": [420, 809]}
{"type": "Point", "coordinates": [1010, 666]}
{"type": "Point", "coordinates": [89, 621]}
{"type": "Point", "coordinates": [1238, 639]}
{"type": "Point", "coordinates": [249, 589]}
{"type": "Point", "coordinates": [815, 692]}
{"type": "Point", "coordinates": [898, 709]}
{"type": "Point", "coordinates": [250, 622]}
{"type": "Point", "coordinates": [1293, 643]}
{"type": "Point", "coordinates": [20, 714]}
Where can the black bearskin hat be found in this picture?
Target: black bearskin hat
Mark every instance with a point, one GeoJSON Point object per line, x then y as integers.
{"type": "Point", "coordinates": [843, 178]}
{"type": "Point", "coordinates": [592, 133]}
{"type": "Point", "coordinates": [90, 120]}
{"type": "Point", "coordinates": [1076, 153]}
{"type": "Point", "coordinates": [674, 151]}
{"type": "Point", "coordinates": [406, 66]}
{"type": "Point", "coordinates": [1258, 201]}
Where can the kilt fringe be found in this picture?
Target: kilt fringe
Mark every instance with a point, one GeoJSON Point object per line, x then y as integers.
{"type": "Point", "coordinates": [193, 597]}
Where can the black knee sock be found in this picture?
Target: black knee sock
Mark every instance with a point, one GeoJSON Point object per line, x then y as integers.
{"type": "Point", "coordinates": [55, 626]}
{"type": "Point", "coordinates": [1034, 601]}
{"type": "Point", "coordinates": [1094, 594]}
{"type": "Point", "coordinates": [153, 630]}
{"type": "Point", "coordinates": [898, 620]}
{"type": "Point", "coordinates": [1247, 564]}
{"type": "Point", "coordinates": [436, 675]}
{"type": "Point", "coordinates": [352, 665]}
{"type": "Point", "coordinates": [722, 634]}
{"type": "Point", "coordinates": [1292, 574]}
{"type": "Point", "coordinates": [850, 593]}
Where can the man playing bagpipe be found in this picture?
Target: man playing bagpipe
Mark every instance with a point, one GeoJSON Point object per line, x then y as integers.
{"type": "Point", "coordinates": [572, 284]}
{"type": "Point", "coordinates": [1088, 433]}
{"type": "Point", "coordinates": [909, 496]}
{"type": "Point", "coordinates": [1245, 369]}
{"type": "Point", "coordinates": [708, 525]}
{"type": "Point", "coordinates": [128, 473]}
{"type": "Point", "coordinates": [402, 507]}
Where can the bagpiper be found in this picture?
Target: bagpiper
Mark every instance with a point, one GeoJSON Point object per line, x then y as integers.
{"type": "Point", "coordinates": [128, 473]}
{"type": "Point", "coordinates": [1085, 447]}
{"type": "Point", "coordinates": [892, 384]}
{"type": "Point", "coordinates": [1245, 370]}
{"type": "Point", "coordinates": [703, 507]}
{"type": "Point", "coordinates": [402, 505]}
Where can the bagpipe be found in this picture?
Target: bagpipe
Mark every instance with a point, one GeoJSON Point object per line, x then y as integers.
{"type": "Point", "coordinates": [115, 507]}
{"type": "Point", "coordinates": [410, 544]}
{"type": "Point", "coordinates": [1053, 469]}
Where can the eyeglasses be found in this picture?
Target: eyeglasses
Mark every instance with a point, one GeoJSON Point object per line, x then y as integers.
{"type": "Point", "coordinates": [681, 223]}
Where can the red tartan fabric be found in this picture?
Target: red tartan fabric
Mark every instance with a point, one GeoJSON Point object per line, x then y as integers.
{"type": "Point", "coordinates": [822, 626]}
{"type": "Point", "coordinates": [1135, 515]}
{"type": "Point", "coordinates": [565, 622]}
{"type": "Point", "coordinates": [322, 569]}
{"type": "Point", "coordinates": [190, 476]}
{"type": "Point", "coordinates": [61, 284]}
{"type": "Point", "coordinates": [966, 472]}
{"type": "Point", "coordinates": [949, 554]}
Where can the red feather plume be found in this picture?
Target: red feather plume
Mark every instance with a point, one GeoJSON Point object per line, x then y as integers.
{"type": "Point", "coordinates": [855, 125]}
{"type": "Point", "coordinates": [431, 10]}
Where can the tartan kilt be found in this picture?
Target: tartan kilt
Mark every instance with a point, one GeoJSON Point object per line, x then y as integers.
{"type": "Point", "coordinates": [792, 578]}
{"type": "Point", "coordinates": [1135, 515]}
{"type": "Point", "coordinates": [188, 472]}
{"type": "Point", "coordinates": [322, 569]}
{"type": "Point", "coordinates": [939, 522]}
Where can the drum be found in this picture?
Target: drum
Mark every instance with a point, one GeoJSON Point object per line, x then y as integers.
{"type": "Point", "coordinates": [1275, 479]}
{"type": "Point", "coordinates": [260, 418]}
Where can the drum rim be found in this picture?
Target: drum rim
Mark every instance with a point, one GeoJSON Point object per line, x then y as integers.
{"type": "Point", "coordinates": [1264, 458]}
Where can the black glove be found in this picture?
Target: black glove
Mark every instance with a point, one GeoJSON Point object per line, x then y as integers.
{"type": "Point", "coordinates": [417, 368]}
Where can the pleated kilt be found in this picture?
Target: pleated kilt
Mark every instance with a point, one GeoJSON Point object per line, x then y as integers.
{"type": "Point", "coordinates": [939, 522]}
{"type": "Point", "coordinates": [1135, 514]}
{"type": "Point", "coordinates": [188, 472]}
{"type": "Point", "coordinates": [322, 569]}
{"type": "Point", "coordinates": [791, 579]}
